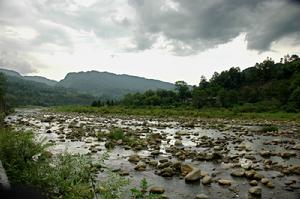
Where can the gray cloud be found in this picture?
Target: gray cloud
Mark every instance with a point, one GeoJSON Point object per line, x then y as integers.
{"type": "Point", "coordinates": [15, 61]}
{"type": "Point", "coordinates": [197, 25]}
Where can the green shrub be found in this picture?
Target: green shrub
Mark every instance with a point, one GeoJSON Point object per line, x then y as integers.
{"type": "Point", "coordinates": [28, 163]}
{"type": "Point", "coordinates": [270, 128]}
{"type": "Point", "coordinates": [116, 134]}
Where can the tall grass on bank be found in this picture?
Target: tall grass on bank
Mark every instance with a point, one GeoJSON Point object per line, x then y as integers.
{"type": "Point", "coordinates": [180, 112]}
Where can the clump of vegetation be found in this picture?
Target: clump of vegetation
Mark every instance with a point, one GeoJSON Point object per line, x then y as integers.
{"type": "Point", "coordinates": [270, 128]}
{"type": "Point", "coordinates": [117, 136]}
{"type": "Point", "coordinates": [142, 193]}
{"type": "Point", "coordinates": [28, 163]}
{"type": "Point", "coordinates": [114, 187]}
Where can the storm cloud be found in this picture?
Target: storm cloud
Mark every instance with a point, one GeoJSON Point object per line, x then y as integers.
{"type": "Point", "coordinates": [180, 27]}
{"type": "Point", "coordinates": [189, 27]}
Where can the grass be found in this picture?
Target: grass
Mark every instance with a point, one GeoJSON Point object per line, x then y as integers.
{"type": "Point", "coordinates": [185, 112]}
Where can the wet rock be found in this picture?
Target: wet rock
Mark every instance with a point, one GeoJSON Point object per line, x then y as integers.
{"type": "Point", "coordinates": [164, 165]}
{"type": "Point", "coordinates": [123, 173]}
{"type": "Point", "coordinates": [270, 184]}
{"type": "Point", "coordinates": [250, 174]}
{"type": "Point", "coordinates": [297, 147]}
{"type": "Point", "coordinates": [140, 166]}
{"type": "Point", "coordinates": [156, 152]}
{"type": "Point", "coordinates": [178, 143]}
{"type": "Point", "coordinates": [217, 156]}
{"type": "Point", "coordinates": [265, 154]}
{"type": "Point", "coordinates": [287, 155]}
{"type": "Point", "coordinates": [238, 173]}
{"type": "Point", "coordinates": [153, 163]}
{"type": "Point", "coordinates": [186, 168]}
{"type": "Point", "coordinates": [253, 183]}
{"type": "Point", "coordinates": [293, 170]}
{"type": "Point", "coordinates": [264, 180]}
{"type": "Point", "coordinates": [255, 191]}
{"type": "Point", "coordinates": [224, 182]}
{"type": "Point", "coordinates": [163, 160]}
{"type": "Point", "coordinates": [193, 176]}
{"type": "Point", "coordinates": [134, 158]}
{"type": "Point", "coordinates": [167, 172]}
{"type": "Point", "coordinates": [258, 176]}
{"type": "Point", "coordinates": [202, 196]}
{"type": "Point", "coordinates": [157, 190]}
{"type": "Point", "coordinates": [206, 180]}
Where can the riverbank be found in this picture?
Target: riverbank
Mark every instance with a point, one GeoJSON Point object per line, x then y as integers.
{"type": "Point", "coordinates": [182, 112]}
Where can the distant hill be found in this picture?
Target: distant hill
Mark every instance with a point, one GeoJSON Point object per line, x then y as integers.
{"type": "Point", "coordinates": [22, 92]}
{"type": "Point", "coordinates": [31, 78]}
{"type": "Point", "coordinates": [104, 84]}
{"type": "Point", "coordinates": [40, 79]}
{"type": "Point", "coordinates": [10, 73]}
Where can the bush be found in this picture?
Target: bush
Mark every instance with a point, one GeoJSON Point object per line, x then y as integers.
{"type": "Point", "coordinates": [28, 163]}
{"type": "Point", "coordinates": [116, 134]}
{"type": "Point", "coordinates": [270, 128]}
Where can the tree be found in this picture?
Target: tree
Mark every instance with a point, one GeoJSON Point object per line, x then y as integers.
{"type": "Point", "coordinates": [183, 90]}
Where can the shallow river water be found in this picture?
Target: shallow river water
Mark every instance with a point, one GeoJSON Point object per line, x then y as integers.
{"type": "Point", "coordinates": [240, 144]}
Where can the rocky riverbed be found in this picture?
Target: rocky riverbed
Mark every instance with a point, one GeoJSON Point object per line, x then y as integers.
{"type": "Point", "coordinates": [183, 158]}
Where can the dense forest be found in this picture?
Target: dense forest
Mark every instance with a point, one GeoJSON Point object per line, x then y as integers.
{"type": "Point", "coordinates": [267, 86]}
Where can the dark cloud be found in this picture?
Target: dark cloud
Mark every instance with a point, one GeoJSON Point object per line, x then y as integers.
{"type": "Point", "coordinates": [192, 26]}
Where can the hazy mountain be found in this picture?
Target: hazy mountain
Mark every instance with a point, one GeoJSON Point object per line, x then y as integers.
{"type": "Point", "coordinates": [10, 73]}
{"type": "Point", "coordinates": [110, 84]}
{"type": "Point", "coordinates": [99, 84]}
{"type": "Point", "coordinates": [21, 92]}
{"type": "Point", "coordinates": [40, 79]}
{"type": "Point", "coordinates": [31, 78]}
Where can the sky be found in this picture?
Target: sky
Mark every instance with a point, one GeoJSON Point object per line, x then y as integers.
{"type": "Point", "coordinates": [168, 40]}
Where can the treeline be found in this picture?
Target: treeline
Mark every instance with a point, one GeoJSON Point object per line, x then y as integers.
{"type": "Point", "coordinates": [267, 86]}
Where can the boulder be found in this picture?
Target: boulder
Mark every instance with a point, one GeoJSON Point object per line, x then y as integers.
{"type": "Point", "coordinates": [157, 190]}
{"type": "Point", "coordinates": [255, 191]}
{"type": "Point", "coordinates": [238, 173]}
{"type": "Point", "coordinates": [193, 176]}
{"type": "Point", "coordinates": [140, 166]}
{"type": "Point", "coordinates": [206, 180]}
{"type": "Point", "coordinates": [224, 182]}
{"type": "Point", "coordinates": [134, 158]}
{"type": "Point", "coordinates": [185, 169]}
{"type": "Point", "coordinates": [202, 196]}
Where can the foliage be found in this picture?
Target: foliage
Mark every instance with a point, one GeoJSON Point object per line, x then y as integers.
{"type": "Point", "coordinates": [116, 134]}
{"type": "Point", "coordinates": [113, 187]}
{"type": "Point", "coordinates": [275, 84]}
{"type": "Point", "coordinates": [270, 128]}
{"type": "Point", "coordinates": [28, 163]}
{"type": "Point", "coordinates": [2, 101]}
{"type": "Point", "coordinates": [141, 192]}
{"type": "Point", "coordinates": [186, 111]}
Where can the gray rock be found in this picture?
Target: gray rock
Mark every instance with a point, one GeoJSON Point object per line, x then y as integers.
{"type": "Point", "coordinates": [134, 158]}
{"type": "Point", "coordinates": [202, 196]}
{"type": "Point", "coordinates": [255, 191]}
{"type": "Point", "coordinates": [206, 180]}
{"type": "Point", "coordinates": [193, 176]}
{"type": "Point", "coordinates": [157, 190]}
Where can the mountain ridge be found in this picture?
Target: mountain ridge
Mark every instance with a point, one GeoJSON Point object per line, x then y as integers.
{"type": "Point", "coordinates": [105, 84]}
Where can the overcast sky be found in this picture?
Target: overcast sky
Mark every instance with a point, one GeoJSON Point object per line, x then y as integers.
{"type": "Point", "coordinates": [161, 39]}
